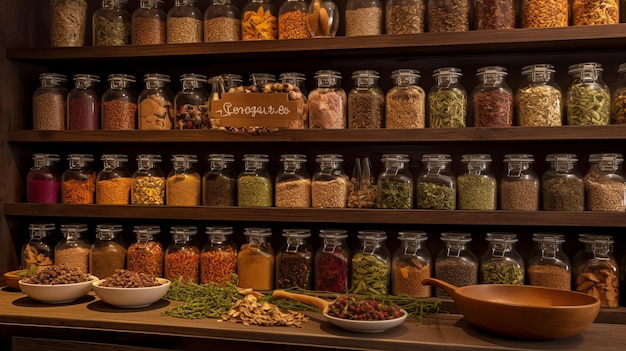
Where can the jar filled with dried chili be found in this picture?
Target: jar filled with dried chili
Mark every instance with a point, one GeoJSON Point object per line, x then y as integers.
{"type": "Point", "coordinates": [605, 183]}
{"type": "Point", "coordinates": [190, 103]}
{"type": "Point", "coordinates": [477, 187]}
{"type": "Point", "coordinates": [255, 260]}
{"type": "Point", "coordinates": [218, 260]}
{"type": "Point", "coordinates": [184, 22]}
{"type": "Point", "coordinates": [182, 185]}
{"type": "Point", "coordinates": [329, 184]}
{"type": "Point", "coordinates": [294, 260]}
{"type": "Point", "coordinates": [50, 102]}
{"type": "Point", "coordinates": [119, 103]}
{"type": "Point", "coordinates": [219, 183]}
{"type": "Point", "coordinates": [494, 14]}
{"type": "Point", "coordinates": [588, 97]}
{"type": "Point", "coordinates": [293, 182]}
{"type": "Point", "coordinates": [83, 103]}
{"type": "Point", "coordinates": [519, 187]}
{"type": "Point", "coordinates": [594, 12]}
{"type": "Point", "coordinates": [148, 183]}
{"type": "Point", "coordinates": [332, 262]}
{"type": "Point", "coordinates": [73, 249]}
{"type": "Point", "coordinates": [492, 99]}
{"type": "Point", "coordinates": [149, 23]}
{"type": "Point", "coordinates": [562, 186]}
{"type": "Point", "coordinates": [405, 16]}
{"type": "Point", "coordinates": [539, 99]}
{"type": "Point", "coordinates": [78, 182]}
{"type": "Point", "coordinates": [395, 185]}
{"type": "Point", "coordinates": [156, 103]}
{"type": "Point", "coordinates": [222, 22]}
{"type": "Point", "coordinates": [292, 20]}
{"type": "Point", "coordinates": [68, 22]}
{"type": "Point", "coordinates": [43, 180]}
{"type": "Point", "coordinates": [146, 254]}
{"type": "Point", "coordinates": [456, 263]}
{"type": "Point", "coordinates": [366, 101]}
{"type": "Point", "coordinates": [548, 265]}
{"type": "Point", "coordinates": [328, 102]}
{"type": "Point", "coordinates": [111, 24]}
{"type": "Point", "coordinates": [618, 98]}
{"type": "Point", "coordinates": [108, 251]}
{"type": "Point", "coordinates": [371, 263]}
{"type": "Point", "coordinates": [182, 256]}
{"type": "Point", "coordinates": [447, 101]}
{"type": "Point", "coordinates": [596, 271]}
{"type": "Point", "coordinates": [405, 101]}
{"type": "Point", "coordinates": [254, 183]}
{"type": "Point", "coordinates": [449, 15]}
{"type": "Point", "coordinates": [39, 249]}
{"type": "Point", "coordinates": [411, 264]}
{"type": "Point", "coordinates": [436, 183]}
{"type": "Point", "coordinates": [293, 84]}
{"type": "Point", "coordinates": [114, 181]}
{"type": "Point", "coordinates": [363, 17]}
{"type": "Point", "coordinates": [259, 21]}
{"type": "Point", "coordinates": [502, 264]}
{"type": "Point", "coordinates": [544, 14]}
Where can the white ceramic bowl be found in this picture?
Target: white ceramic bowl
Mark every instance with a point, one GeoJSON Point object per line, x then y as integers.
{"type": "Point", "coordinates": [57, 293]}
{"type": "Point", "coordinates": [131, 297]}
{"type": "Point", "coordinates": [366, 326]}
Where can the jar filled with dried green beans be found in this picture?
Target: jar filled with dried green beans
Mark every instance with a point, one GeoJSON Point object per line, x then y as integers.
{"type": "Point", "coordinates": [588, 97]}
{"type": "Point", "coordinates": [447, 101]}
{"type": "Point", "coordinates": [371, 263]}
{"type": "Point", "coordinates": [436, 183]}
{"type": "Point", "coordinates": [477, 186]}
{"type": "Point", "coordinates": [395, 185]}
{"type": "Point", "coordinates": [111, 24]}
{"type": "Point", "coordinates": [502, 264]}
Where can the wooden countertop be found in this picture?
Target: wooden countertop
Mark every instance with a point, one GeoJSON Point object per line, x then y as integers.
{"type": "Point", "coordinates": [442, 332]}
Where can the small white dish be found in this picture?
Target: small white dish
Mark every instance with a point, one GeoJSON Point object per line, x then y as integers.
{"type": "Point", "coordinates": [57, 293]}
{"type": "Point", "coordinates": [131, 297]}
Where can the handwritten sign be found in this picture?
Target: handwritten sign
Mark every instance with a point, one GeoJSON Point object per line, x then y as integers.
{"type": "Point", "coordinates": [254, 109]}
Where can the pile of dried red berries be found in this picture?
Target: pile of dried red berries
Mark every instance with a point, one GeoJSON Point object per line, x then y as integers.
{"type": "Point", "coordinates": [353, 308]}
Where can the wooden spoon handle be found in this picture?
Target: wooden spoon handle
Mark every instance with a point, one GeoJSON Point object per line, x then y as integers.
{"type": "Point", "coordinates": [447, 287]}
{"type": "Point", "coordinates": [309, 300]}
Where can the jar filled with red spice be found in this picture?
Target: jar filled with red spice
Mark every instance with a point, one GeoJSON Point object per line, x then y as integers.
{"type": "Point", "coordinates": [39, 249]}
{"type": "Point", "coordinates": [146, 254]}
{"type": "Point", "coordinates": [218, 260]}
{"type": "Point", "coordinates": [119, 103]}
{"type": "Point", "coordinates": [182, 257]}
{"type": "Point", "coordinates": [332, 262]}
{"type": "Point", "coordinates": [294, 260]}
{"type": "Point", "coordinates": [113, 181]}
{"type": "Point", "coordinates": [492, 98]}
{"type": "Point", "coordinates": [78, 183]}
{"type": "Point", "coordinates": [83, 103]}
{"type": "Point", "coordinates": [108, 251]}
{"type": "Point", "coordinates": [73, 249]}
{"type": "Point", "coordinates": [43, 180]}
{"type": "Point", "coordinates": [255, 260]}
{"type": "Point", "coordinates": [410, 265]}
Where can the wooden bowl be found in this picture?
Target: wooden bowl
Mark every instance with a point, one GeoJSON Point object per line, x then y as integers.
{"type": "Point", "coordinates": [11, 278]}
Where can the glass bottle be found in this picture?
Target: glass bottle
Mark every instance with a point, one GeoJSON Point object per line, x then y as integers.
{"type": "Point", "coordinates": [544, 14]}
{"type": "Point", "coordinates": [294, 260]}
{"type": "Point", "coordinates": [184, 22]}
{"type": "Point", "coordinates": [449, 15]}
{"type": "Point", "coordinates": [595, 269]}
{"type": "Point", "coordinates": [73, 249]}
{"type": "Point", "coordinates": [605, 183]}
{"type": "Point", "coordinates": [78, 182]}
{"type": "Point", "coordinates": [328, 102]}
{"type": "Point", "coordinates": [492, 99]}
{"type": "Point", "coordinates": [548, 265]}
{"type": "Point", "coordinates": [502, 264]}
{"type": "Point", "coordinates": [405, 101]}
{"type": "Point", "coordinates": [258, 82]}
{"type": "Point", "coordinates": [588, 97]}
{"type": "Point", "coordinates": [323, 18]}
{"type": "Point", "coordinates": [182, 185]}
{"type": "Point", "coordinates": [395, 185]}
{"type": "Point", "coordinates": [366, 101]}
{"type": "Point", "coordinates": [371, 263]}
{"type": "Point", "coordinates": [456, 263]}
{"type": "Point", "coordinates": [594, 12]}
{"type": "Point", "coordinates": [218, 260]}
{"type": "Point", "coordinates": [447, 101]}
{"type": "Point", "coordinates": [490, 14]}
{"type": "Point", "coordinates": [149, 23]}
{"type": "Point", "coordinates": [292, 20]}
{"type": "Point", "coordinates": [293, 182]}
{"type": "Point", "coordinates": [562, 186]}
{"type": "Point", "coordinates": [111, 24]}
{"type": "Point", "coordinates": [113, 181]}
{"type": "Point", "coordinates": [148, 182]}
{"type": "Point", "coordinates": [68, 19]}
{"type": "Point", "coordinates": [539, 100]}
{"type": "Point", "coordinates": [182, 256]}
{"type": "Point", "coordinates": [43, 180]}
{"type": "Point", "coordinates": [156, 103]}
{"type": "Point", "coordinates": [39, 249]}
{"type": "Point", "coordinates": [618, 98]}
{"type": "Point", "coordinates": [50, 102]}
{"type": "Point", "coordinates": [108, 251]}
{"type": "Point", "coordinates": [146, 254]}
{"type": "Point", "coordinates": [519, 187]}
{"type": "Point", "coordinates": [255, 260]}
{"type": "Point", "coordinates": [222, 22]}
{"type": "Point", "coordinates": [405, 16]}
{"type": "Point", "coordinates": [410, 265]}
{"type": "Point", "coordinates": [332, 262]}
{"type": "Point", "coordinates": [293, 84]}
{"type": "Point", "coordinates": [191, 103]}
{"type": "Point", "coordinates": [259, 21]}
{"type": "Point", "coordinates": [254, 183]}
{"type": "Point", "coordinates": [219, 184]}
{"type": "Point", "coordinates": [83, 103]}
{"type": "Point", "coordinates": [477, 186]}
{"type": "Point", "coordinates": [363, 17]}
{"type": "Point", "coordinates": [119, 103]}
{"type": "Point", "coordinates": [329, 183]}
{"type": "Point", "coordinates": [436, 183]}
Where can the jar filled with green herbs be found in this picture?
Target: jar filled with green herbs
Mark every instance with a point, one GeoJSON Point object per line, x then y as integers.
{"type": "Point", "coordinates": [618, 98]}
{"type": "Point", "coordinates": [455, 262]}
{"type": "Point", "coordinates": [447, 100]}
{"type": "Point", "coordinates": [605, 183]}
{"type": "Point", "coordinates": [562, 186]}
{"type": "Point", "coordinates": [254, 184]}
{"type": "Point", "coordinates": [519, 187]}
{"type": "Point", "coordinates": [405, 103]}
{"type": "Point", "coordinates": [436, 183]}
{"type": "Point", "coordinates": [294, 260]}
{"type": "Point", "coordinates": [329, 183]}
{"type": "Point", "coordinates": [293, 182]}
{"type": "Point", "coordinates": [502, 264]}
{"type": "Point", "coordinates": [477, 186]}
{"type": "Point", "coordinates": [548, 265]}
{"type": "Point", "coordinates": [588, 97]}
{"type": "Point", "coordinates": [219, 183]}
{"type": "Point", "coordinates": [539, 99]}
{"type": "Point", "coordinates": [371, 264]}
{"type": "Point", "coordinates": [395, 185]}
{"type": "Point", "coordinates": [411, 264]}
{"type": "Point", "coordinates": [366, 101]}
{"type": "Point", "coordinates": [111, 24]}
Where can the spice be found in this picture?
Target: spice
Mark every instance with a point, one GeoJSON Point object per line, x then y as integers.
{"type": "Point", "coordinates": [476, 192]}
{"type": "Point", "coordinates": [618, 109]}
{"type": "Point", "coordinates": [218, 266]}
{"type": "Point", "coordinates": [407, 278]}
{"type": "Point", "coordinates": [67, 27]}
{"type": "Point", "coordinates": [110, 32]}
{"type": "Point", "coordinates": [119, 114]}
{"type": "Point", "coordinates": [191, 116]}
{"type": "Point", "coordinates": [146, 31]}
{"type": "Point", "coordinates": [600, 281]}
{"type": "Point", "coordinates": [361, 194]}
{"type": "Point", "coordinates": [436, 197]}
{"type": "Point", "coordinates": [73, 256]}
{"type": "Point", "coordinates": [406, 18]}
{"type": "Point", "coordinates": [293, 25]}
{"type": "Point", "coordinates": [220, 191]}
{"type": "Point", "coordinates": [405, 108]}
{"type": "Point", "coordinates": [222, 29]}
{"type": "Point", "coordinates": [84, 113]}
{"type": "Point", "coordinates": [447, 109]}
{"type": "Point", "coordinates": [604, 193]}
{"type": "Point", "coordinates": [114, 191]}
{"type": "Point", "coordinates": [43, 191]}
{"type": "Point", "coordinates": [520, 195]}
{"type": "Point", "coordinates": [369, 274]}
{"type": "Point", "coordinates": [563, 194]}
{"type": "Point", "coordinates": [550, 276]}
{"type": "Point", "coordinates": [449, 16]}
{"type": "Point", "coordinates": [592, 12]}
{"type": "Point", "coordinates": [493, 108]}
{"type": "Point", "coordinates": [184, 30]}
{"type": "Point", "coordinates": [458, 272]}
{"type": "Point", "coordinates": [327, 110]}
{"type": "Point", "coordinates": [183, 263]}
{"type": "Point", "coordinates": [106, 258]}
{"type": "Point", "coordinates": [502, 272]}
{"type": "Point", "coordinates": [329, 194]}
{"type": "Point", "coordinates": [254, 191]}
{"type": "Point", "coordinates": [494, 14]}
{"type": "Point", "coordinates": [123, 278]}
{"type": "Point", "coordinates": [75, 191]}
{"type": "Point", "coordinates": [394, 194]}
{"type": "Point", "coordinates": [255, 267]}
{"type": "Point", "coordinates": [148, 190]}
{"type": "Point", "coordinates": [353, 308]}
{"type": "Point", "coordinates": [293, 193]}
{"type": "Point", "coordinates": [294, 270]}
{"type": "Point", "coordinates": [539, 105]}
{"type": "Point", "coordinates": [364, 21]}
{"type": "Point", "coordinates": [545, 13]}
{"type": "Point", "coordinates": [332, 271]}
{"type": "Point", "coordinates": [146, 258]}
{"type": "Point", "coordinates": [155, 113]}
{"type": "Point", "coordinates": [259, 25]}
{"type": "Point", "coordinates": [588, 105]}
{"type": "Point", "coordinates": [49, 111]}
{"type": "Point", "coordinates": [183, 189]}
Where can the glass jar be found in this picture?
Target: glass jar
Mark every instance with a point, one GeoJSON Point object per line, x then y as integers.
{"type": "Point", "coordinates": [259, 81]}
{"type": "Point", "coordinates": [544, 14]}
{"type": "Point", "coordinates": [83, 103]}
{"type": "Point", "coordinates": [363, 17]}
{"type": "Point", "coordinates": [219, 184]}
{"type": "Point", "coordinates": [477, 186]}
{"type": "Point", "coordinates": [111, 24]}
{"type": "Point", "coordinates": [492, 98]}
{"type": "Point", "coordinates": [146, 255]}
{"type": "Point", "coordinates": [449, 15]}
{"type": "Point", "coordinates": [395, 185]}
{"type": "Point", "coordinates": [539, 99]}
{"type": "Point", "coordinates": [293, 182]}
{"type": "Point", "coordinates": [182, 185]}
{"type": "Point", "coordinates": [362, 185]}
{"type": "Point", "coordinates": [222, 22]}
{"type": "Point", "coordinates": [255, 260]}
{"type": "Point", "coordinates": [156, 103]}
{"type": "Point", "coordinates": [39, 249]}
{"type": "Point", "coordinates": [366, 101]}
{"type": "Point", "coordinates": [456, 264]}
{"type": "Point", "coordinates": [191, 103]}
{"type": "Point", "coordinates": [259, 21]}
{"type": "Point", "coordinates": [618, 98]}
{"type": "Point", "coordinates": [218, 260]}
{"type": "Point", "coordinates": [113, 181]}
{"type": "Point", "coordinates": [184, 23]}
{"type": "Point", "coordinates": [68, 19]}
{"type": "Point", "coordinates": [519, 187]}
{"type": "Point", "coordinates": [293, 84]}
{"type": "Point", "coordinates": [562, 186]}
{"type": "Point", "coordinates": [149, 23]}
{"type": "Point", "coordinates": [405, 16]}
{"type": "Point", "coordinates": [548, 265]}
{"type": "Point", "coordinates": [593, 12]}
{"type": "Point", "coordinates": [489, 14]}
{"type": "Point", "coordinates": [323, 18]}
{"type": "Point", "coordinates": [78, 182]}
{"type": "Point", "coordinates": [595, 269]}
{"type": "Point", "coordinates": [254, 183]}
{"type": "Point", "coordinates": [502, 264]}
{"type": "Point", "coordinates": [43, 180]}
{"type": "Point", "coordinates": [588, 97]}
{"type": "Point", "coordinates": [73, 249]}
{"type": "Point", "coordinates": [328, 102]}
{"type": "Point", "coordinates": [292, 20]}
{"type": "Point", "coordinates": [371, 263]}
{"type": "Point", "coordinates": [447, 101]}
{"type": "Point", "coordinates": [410, 265]}
{"type": "Point", "coordinates": [182, 256]}
{"type": "Point", "coordinates": [108, 251]}
{"type": "Point", "coordinates": [294, 260]}
{"type": "Point", "coordinates": [50, 102]}
{"type": "Point", "coordinates": [119, 103]}
{"type": "Point", "coordinates": [436, 183]}
{"type": "Point", "coordinates": [332, 262]}
{"type": "Point", "coordinates": [329, 183]}
{"type": "Point", "coordinates": [405, 101]}
{"type": "Point", "coordinates": [605, 183]}
{"type": "Point", "coordinates": [148, 183]}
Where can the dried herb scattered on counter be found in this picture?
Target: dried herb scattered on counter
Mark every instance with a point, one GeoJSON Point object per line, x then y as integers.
{"type": "Point", "coordinates": [201, 300]}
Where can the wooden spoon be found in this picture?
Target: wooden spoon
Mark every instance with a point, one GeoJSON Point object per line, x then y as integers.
{"type": "Point", "coordinates": [309, 300]}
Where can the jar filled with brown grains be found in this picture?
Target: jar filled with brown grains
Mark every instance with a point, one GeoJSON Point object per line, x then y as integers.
{"type": "Point", "coordinates": [73, 249]}
{"type": "Point", "coordinates": [148, 183]}
{"type": "Point", "coordinates": [363, 17]}
{"type": "Point", "coordinates": [219, 183]}
{"type": "Point", "coordinates": [182, 256]}
{"type": "Point", "coordinates": [83, 103]}
{"type": "Point", "coordinates": [588, 96]}
{"type": "Point", "coordinates": [39, 249]}
{"type": "Point", "coordinates": [294, 260]}
{"type": "Point", "coordinates": [145, 254]}
{"type": "Point", "coordinates": [111, 24]}
{"type": "Point", "coordinates": [108, 251]}
{"type": "Point", "coordinates": [477, 187]}
{"type": "Point", "coordinates": [148, 23]}
{"type": "Point", "coordinates": [456, 264]}
{"type": "Point", "coordinates": [113, 181]}
{"type": "Point", "coordinates": [255, 260]}
{"type": "Point", "coordinates": [292, 20]}
{"type": "Point", "coordinates": [43, 180]}
{"type": "Point", "coordinates": [519, 186]}
{"type": "Point", "coordinates": [294, 85]}
{"type": "Point", "coordinates": [328, 102]}
{"type": "Point", "coordinates": [411, 264]}
{"type": "Point", "coordinates": [182, 185]}
{"type": "Point", "coordinates": [259, 20]}
{"type": "Point", "coordinates": [255, 187]}
{"type": "Point", "coordinates": [605, 183]}
{"type": "Point", "coordinates": [50, 102]}
{"type": "Point", "coordinates": [184, 23]}
{"type": "Point", "coordinates": [78, 182]}
{"type": "Point", "coordinates": [366, 101]}
{"type": "Point", "coordinates": [156, 103]}
{"type": "Point", "coordinates": [218, 260]}
{"type": "Point", "coordinates": [492, 98]}
{"type": "Point", "coordinates": [119, 103]}
{"type": "Point", "coordinates": [405, 16]}
{"type": "Point", "coordinates": [544, 13]}
{"type": "Point", "coordinates": [593, 12]}
{"type": "Point", "coordinates": [436, 183]}
{"type": "Point", "coordinates": [501, 263]}
{"type": "Point", "coordinates": [618, 98]}
{"type": "Point", "coordinates": [222, 22]}
{"type": "Point", "coordinates": [596, 270]}
{"type": "Point", "coordinates": [539, 99]}
{"type": "Point", "coordinates": [191, 103]}
{"type": "Point", "coordinates": [293, 182]}
{"type": "Point", "coordinates": [68, 19]}
{"type": "Point", "coordinates": [395, 185]}
{"type": "Point", "coordinates": [447, 100]}
{"type": "Point", "coordinates": [494, 14]}
{"type": "Point", "coordinates": [562, 186]}
{"type": "Point", "coordinates": [329, 184]}
{"type": "Point", "coordinates": [405, 101]}
{"type": "Point", "coordinates": [449, 15]}
{"type": "Point", "coordinates": [548, 265]}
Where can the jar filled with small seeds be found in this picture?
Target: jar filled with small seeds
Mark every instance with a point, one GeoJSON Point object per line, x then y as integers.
{"type": "Point", "coordinates": [149, 23]}
{"type": "Point", "coordinates": [111, 24]}
{"type": "Point", "coordinates": [405, 101]}
{"type": "Point", "coordinates": [184, 23]}
{"type": "Point", "coordinates": [329, 183]}
{"type": "Point", "coordinates": [363, 17]}
{"type": "Point", "coordinates": [489, 14]}
{"type": "Point", "coordinates": [605, 183]}
{"type": "Point", "coordinates": [449, 15]}
{"type": "Point", "coordinates": [148, 182]}
{"type": "Point", "coordinates": [182, 256]}
{"type": "Point", "coordinates": [502, 264]}
{"type": "Point", "coordinates": [436, 183]}
{"type": "Point", "coordinates": [255, 260]}
{"type": "Point", "coordinates": [596, 270]}
{"type": "Point", "coordinates": [292, 20]}
{"type": "Point", "coordinates": [219, 183]}
{"type": "Point", "coordinates": [328, 102]}
{"type": "Point", "coordinates": [108, 251]}
{"type": "Point", "coordinates": [50, 102]}
{"type": "Point", "coordinates": [544, 14]}
{"type": "Point", "coordinates": [294, 260]}
{"type": "Point", "coordinates": [410, 265]}
{"type": "Point", "coordinates": [254, 184]}
{"type": "Point", "coordinates": [73, 249]}
{"type": "Point", "coordinates": [222, 22]}
{"type": "Point", "coordinates": [119, 103]}
{"type": "Point", "coordinates": [447, 101]}
{"type": "Point", "coordinates": [38, 251]}
{"type": "Point", "coordinates": [218, 260]}
{"type": "Point", "coordinates": [182, 185]}
{"type": "Point", "coordinates": [68, 22]}
{"type": "Point", "coordinates": [588, 97]}
{"type": "Point", "coordinates": [293, 182]}
{"type": "Point", "coordinates": [477, 187]}
{"type": "Point", "coordinates": [562, 186]}
{"type": "Point", "coordinates": [43, 180]}
{"type": "Point", "coordinates": [332, 262]}
{"type": "Point", "coordinates": [156, 103]}
{"type": "Point", "coordinates": [519, 187]}
{"type": "Point", "coordinates": [191, 103]}
{"type": "Point", "coordinates": [259, 20]}
{"type": "Point", "coordinates": [83, 103]}
{"type": "Point", "coordinates": [395, 185]}
{"type": "Point", "coordinates": [594, 12]}
{"type": "Point", "coordinates": [366, 101]}
{"type": "Point", "coordinates": [492, 99]}
{"type": "Point", "coordinates": [293, 84]}
{"type": "Point", "coordinates": [618, 98]}
{"type": "Point", "coordinates": [113, 181]}
{"type": "Point", "coordinates": [456, 264]}
{"type": "Point", "coordinates": [539, 99]}
{"type": "Point", "coordinates": [371, 263]}
{"type": "Point", "coordinates": [548, 265]}
{"type": "Point", "coordinates": [146, 254]}
{"type": "Point", "coordinates": [405, 16]}
{"type": "Point", "coordinates": [78, 182]}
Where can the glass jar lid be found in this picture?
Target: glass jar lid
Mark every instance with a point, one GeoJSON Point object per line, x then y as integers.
{"type": "Point", "coordinates": [52, 79]}
{"type": "Point", "coordinates": [107, 231]}
{"type": "Point", "coordinates": [538, 72]}
{"type": "Point", "coordinates": [333, 234]}
{"type": "Point", "coordinates": [588, 71]}
{"type": "Point", "coordinates": [44, 160]}
{"type": "Point", "coordinates": [148, 4]}
{"type": "Point", "coordinates": [218, 234]}
{"type": "Point", "coordinates": [155, 80]}
{"type": "Point", "coordinates": [146, 161]}
{"type": "Point", "coordinates": [145, 233]}
{"type": "Point", "coordinates": [503, 237]}
{"type": "Point", "coordinates": [41, 230]}
{"type": "Point", "coordinates": [84, 81]}
{"type": "Point", "coordinates": [77, 161]}
{"type": "Point", "coordinates": [75, 230]}
{"type": "Point", "coordinates": [456, 237]}
{"type": "Point", "coordinates": [183, 161]}
{"type": "Point", "coordinates": [405, 76]}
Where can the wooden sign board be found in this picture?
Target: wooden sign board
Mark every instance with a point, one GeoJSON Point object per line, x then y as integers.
{"type": "Point", "coordinates": [254, 109]}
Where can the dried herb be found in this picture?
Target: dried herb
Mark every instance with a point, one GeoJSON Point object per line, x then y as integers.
{"type": "Point", "coordinates": [502, 272]}
{"type": "Point", "coordinates": [362, 186]}
{"type": "Point", "coordinates": [592, 12]}
{"type": "Point", "coordinates": [294, 270]}
{"type": "Point", "coordinates": [405, 107]}
{"type": "Point", "coordinates": [588, 105]}
{"type": "Point", "coordinates": [67, 22]}
{"type": "Point", "coordinates": [406, 17]}
{"type": "Point", "coordinates": [539, 105]}
{"type": "Point", "coordinates": [366, 108]}
{"type": "Point", "coordinates": [394, 193]}
{"type": "Point", "coordinates": [254, 191]}
{"type": "Point", "coordinates": [476, 192]}
{"type": "Point", "coordinates": [435, 196]}
{"type": "Point", "coordinates": [219, 190]}
{"type": "Point", "coordinates": [456, 271]}
{"type": "Point", "coordinates": [545, 13]}
{"type": "Point", "coordinates": [201, 300]}
{"type": "Point", "coordinates": [519, 195]}
{"type": "Point", "coordinates": [618, 106]}
{"type": "Point", "coordinates": [370, 274]}
{"type": "Point", "coordinates": [332, 271]}
{"type": "Point", "coordinates": [110, 33]}
{"type": "Point", "coordinates": [493, 108]}
{"type": "Point", "coordinates": [494, 14]}
{"type": "Point", "coordinates": [563, 194]}
{"type": "Point", "coordinates": [447, 108]}
{"type": "Point", "coordinates": [449, 16]}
